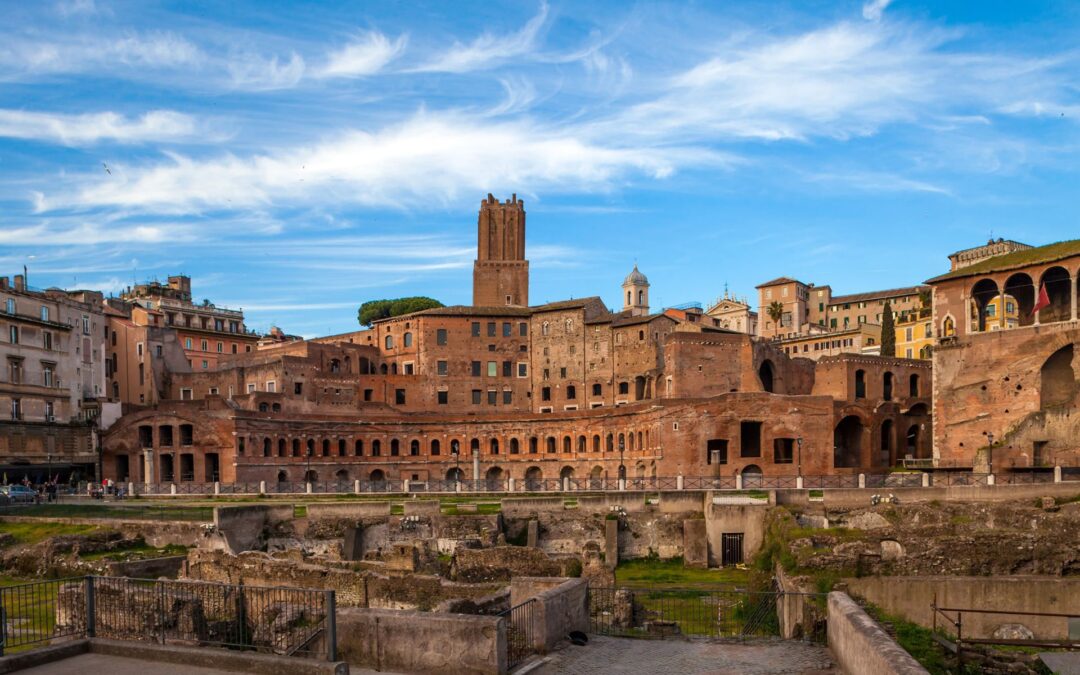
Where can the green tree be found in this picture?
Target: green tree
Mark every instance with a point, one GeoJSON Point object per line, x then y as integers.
{"type": "Point", "coordinates": [888, 331]}
{"type": "Point", "coordinates": [373, 310]}
{"type": "Point", "coordinates": [775, 310]}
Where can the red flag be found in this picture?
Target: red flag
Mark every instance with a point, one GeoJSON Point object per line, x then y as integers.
{"type": "Point", "coordinates": [1042, 301]}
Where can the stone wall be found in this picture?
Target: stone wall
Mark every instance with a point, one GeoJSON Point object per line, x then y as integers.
{"type": "Point", "coordinates": [560, 606]}
{"type": "Point", "coordinates": [723, 519]}
{"type": "Point", "coordinates": [245, 528]}
{"type": "Point", "coordinates": [860, 645]}
{"type": "Point", "coordinates": [417, 642]}
{"type": "Point", "coordinates": [911, 597]}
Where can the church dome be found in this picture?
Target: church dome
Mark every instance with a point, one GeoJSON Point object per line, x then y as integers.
{"type": "Point", "coordinates": [635, 277]}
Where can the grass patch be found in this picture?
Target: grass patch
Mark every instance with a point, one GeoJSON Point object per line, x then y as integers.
{"type": "Point", "coordinates": [138, 512]}
{"type": "Point", "coordinates": [916, 640]}
{"type": "Point", "coordinates": [817, 494]}
{"type": "Point", "coordinates": [655, 573]}
{"type": "Point", "coordinates": [32, 533]}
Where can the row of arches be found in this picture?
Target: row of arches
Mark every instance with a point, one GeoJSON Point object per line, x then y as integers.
{"type": "Point", "coordinates": [851, 440]}
{"type": "Point", "coordinates": [1012, 305]}
{"type": "Point", "coordinates": [494, 476]}
{"type": "Point", "coordinates": [632, 441]}
{"type": "Point", "coordinates": [888, 385]}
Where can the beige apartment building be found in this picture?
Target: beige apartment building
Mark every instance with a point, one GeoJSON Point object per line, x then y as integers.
{"type": "Point", "coordinates": [52, 382]}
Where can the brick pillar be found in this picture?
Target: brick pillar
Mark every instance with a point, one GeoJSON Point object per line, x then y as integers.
{"type": "Point", "coordinates": [1001, 308]}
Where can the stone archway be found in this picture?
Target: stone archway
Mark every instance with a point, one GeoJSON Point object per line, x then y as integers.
{"type": "Point", "coordinates": [848, 442]}
{"type": "Point", "coordinates": [766, 375]}
{"type": "Point", "coordinates": [493, 478]}
{"type": "Point", "coordinates": [596, 478]}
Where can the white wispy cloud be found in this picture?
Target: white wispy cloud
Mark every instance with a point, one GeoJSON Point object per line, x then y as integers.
{"type": "Point", "coordinates": [79, 53]}
{"type": "Point", "coordinates": [47, 233]}
{"type": "Point", "coordinates": [873, 9]}
{"type": "Point", "coordinates": [258, 73]}
{"type": "Point", "coordinates": [368, 54]}
{"type": "Point", "coordinates": [428, 158]}
{"type": "Point", "coordinates": [489, 50]}
{"type": "Point", "coordinates": [87, 128]}
{"type": "Point", "coordinates": [69, 8]}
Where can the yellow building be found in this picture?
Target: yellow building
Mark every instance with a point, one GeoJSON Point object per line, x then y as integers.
{"type": "Point", "coordinates": [915, 334]}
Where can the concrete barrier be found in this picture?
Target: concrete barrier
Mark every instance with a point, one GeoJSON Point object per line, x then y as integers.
{"type": "Point", "coordinates": [860, 645]}
{"type": "Point", "coordinates": [422, 642]}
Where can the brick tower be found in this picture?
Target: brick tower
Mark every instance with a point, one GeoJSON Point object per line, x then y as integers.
{"type": "Point", "coordinates": [501, 272]}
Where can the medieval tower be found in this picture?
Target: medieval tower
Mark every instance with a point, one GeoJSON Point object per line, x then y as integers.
{"type": "Point", "coordinates": [501, 272]}
{"type": "Point", "coordinates": [636, 293]}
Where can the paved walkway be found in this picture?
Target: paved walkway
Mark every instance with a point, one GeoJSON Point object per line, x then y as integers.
{"type": "Point", "coordinates": [614, 656]}
{"type": "Point", "coordinates": [117, 665]}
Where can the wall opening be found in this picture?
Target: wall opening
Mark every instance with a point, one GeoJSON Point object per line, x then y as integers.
{"type": "Point", "coordinates": [750, 439]}
{"type": "Point", "coordinates": [847, 442]}
{"type": "Point", "coordinates": [1057, 384]}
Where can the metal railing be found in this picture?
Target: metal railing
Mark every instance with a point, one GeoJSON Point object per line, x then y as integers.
{"type": "Point", "coordinates": [282, 621]}
{"type": "Point", "coordinates": [521, 633]}
{"type": "Point", "coordinates": [960, 640]}
{"type": "Point", "coordinates": [749, 481]}
{"type": "Point", "coordinates": [689, 612]}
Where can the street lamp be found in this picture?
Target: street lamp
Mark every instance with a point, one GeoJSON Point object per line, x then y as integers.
{"type": "Point", "coordinates": [990, 452]}
{"type": "Point", "coordinates": [455, 450]}
{"type": "Point", "coordinates": [307, 470]}
{"type": "Point", "coordinates": [798, 442]}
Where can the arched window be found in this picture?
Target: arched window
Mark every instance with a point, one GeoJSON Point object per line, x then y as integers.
{"type": "Point", "coordinates": [376, 448]}
{"type": "Point", "coordinates": [641, 336]}
{"type": "Point", "coordinates": [414, 448]}
{"type": "Point", "coordinates": [407, 339]}
{"type": "Point", "coordinates": [628, 297]}
{"type": "Point", "coordinates": [435, 447]}
{"type": "Point", "coordinates": [514, 446]}
{"type": "Point", "coordinates": [275, 408]}
{"type": "Point", "coordinates": [948, 327]}
{"type": "Point", "coordinates": [631, 434]}
{"type": "Point", "coordinates": [622, 442]}
{"type": "Point", "coordinates": [551, 444]}
{"type": "Point", "coordinates": [389, 341]}
{"type": "Point", "coordinates": [281, 447]}
{"type": "Point", "coordinates": [335, 366]}
{"type": "Point", "coordinates": [266, 447]}
{"type": "Point", "coordinates": [860, 384]}
{"type": "Point", "coordinates": [610, 443]}
{"type": "Point", "coordinates": [567, 445]}
{"type": "Point", "coordinates": [581, 444]}
{"type": "Point", "coordinates": [455, 447]}
{"type": "Point", "coordinates": [913, 385]}
{"type": "Point", "coordinates": [296, 447]}
{"type": "Point", "coordinates": [474, 446]}
{"type": "Point", "coordinates": [886, 386]}
{"type": "Point", "coordinates": [493, 445]}
{"type": "Point", "coordinates": [641, 297]}
{"type": "Point", "coordinates": [326, 447]}
{"type": "Point", "coordinates": [264, 407]}
{"type": "Point", "coordinates": [532, 445]}
{"type": "Point", "coordinates": [341, 447]}
{"type": "Point", "coordinates": [358, 447]}
{"type": "Point", "coordinates": [395, 447]}
{"type": "Point", "coordinates": [596, 443]}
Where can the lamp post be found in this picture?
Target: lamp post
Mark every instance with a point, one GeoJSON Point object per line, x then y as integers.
{"type": "Point", "coordinates": [798, 443]}
{"type": "Point", "coordinates": [990, 452]}
{"type": "Point", "coordinates": [307, 469]}
{"type": "Point", "coordinates": [455, 450]}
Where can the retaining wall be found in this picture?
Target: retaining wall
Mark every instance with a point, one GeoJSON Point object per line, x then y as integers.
{"type": "Point", "coordinates": [860, 645]}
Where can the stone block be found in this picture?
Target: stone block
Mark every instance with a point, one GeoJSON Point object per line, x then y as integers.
{"type": "Point", "coordinates": [695, 543]}
{"type": "Point", "coordinates": [353, 546]}
{"type": "Point", "coordinates": [533, 535]}
{"type": "Point", "coordinates": [611, 543]}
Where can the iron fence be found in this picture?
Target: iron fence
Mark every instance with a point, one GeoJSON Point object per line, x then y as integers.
{"type": "Point", "coordinates": [689, 612]}
{"type": "Point", "coordinates": [1025, 478]}
{"type": "Point", "coordinates": [521, 632]}
{"type": "Point", "coordinates": [826, 482]}
{"type": "Point", "coordinates": [281, 621]}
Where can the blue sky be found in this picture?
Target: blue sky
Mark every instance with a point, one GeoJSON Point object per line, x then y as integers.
{"type": "Point", "coordinates": [297, 159]}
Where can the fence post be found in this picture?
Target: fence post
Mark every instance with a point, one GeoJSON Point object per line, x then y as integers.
{"type": "Point", "coordinates": [356, 486]}
{"type": "Point", "coordinates": [307, 487]}
{"type": "Point", "coordinates": [130, 489]}
{"type": "Point", "coordinates": [262, 487]}
{"type": "Point", "coordinates": [217, 487]}
{"type": "Point", "coordinates": [90, 610]}
{"type": "Point", "coordinates": [1057, 474]}
{"type": "Point", "coordinates": [622, 484]}
{"type": "Point", "coordinates": [990, 480]}
{"type": "Point", "coordinates": [510, 485]}
{"type": "Point", "coordinates": [738, 481]}
{"type": "Point", "coordinates": [405, 485]}
{"type": "Point", "coordinates": [331, 626]}
{"type": "Point", "coordinates": [172, 489]}
{"type": "Point", "coordinates": [925, 479]}
{"type": "Point", "coordinates": [679, 482]}
{"type": "Point", "coordinates": [798, 483]}
{"type": "Point", "coordinates": [862, 480]}
{"type": "Point", "coordinates": [566, 484]}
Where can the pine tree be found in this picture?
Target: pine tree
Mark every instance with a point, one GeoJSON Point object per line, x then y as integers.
{"type": "Point", "coordinates": [888, 331]}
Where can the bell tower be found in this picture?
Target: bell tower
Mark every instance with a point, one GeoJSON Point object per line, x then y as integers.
{"type": "Point", "coordinates": [636, 293]}
{"type": "Point", "coordinates": [500, 271]}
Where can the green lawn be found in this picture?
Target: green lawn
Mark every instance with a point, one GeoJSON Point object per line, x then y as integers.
{"type": "Point", "coordinates": [141, 552]}
{"type": "Point", "coordinates": [30, 610]}
{"type": "Point", "coordinates": [133, 512]}
{"type": "Point", "coordinates": [32, 533]}
{"type": "Point", "coordinates": [653, 573]}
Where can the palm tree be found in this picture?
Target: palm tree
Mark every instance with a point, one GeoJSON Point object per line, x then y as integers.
{"type": "Point", "coordinates": [775, 310]}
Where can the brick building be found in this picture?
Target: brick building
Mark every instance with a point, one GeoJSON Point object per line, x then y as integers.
{"type": "Point", "coordinates": [1007, 383]}
{"type": "Point", "coordinates": [501, 389]}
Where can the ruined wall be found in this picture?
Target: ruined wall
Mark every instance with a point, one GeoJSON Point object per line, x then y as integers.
{"type": "Point", "coordinates": [861, 645]}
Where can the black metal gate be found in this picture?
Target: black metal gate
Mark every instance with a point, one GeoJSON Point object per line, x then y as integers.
{"type": "Point", "coordinates": [659, 613]}
{"type": "Point", "coordinates": [731, 551]}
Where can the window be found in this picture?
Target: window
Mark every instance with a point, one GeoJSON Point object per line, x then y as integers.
{"type": "Point", "coordinates": [507, 329]}
{"type": "Point", "coordinates": [750, 439]}
{"type": "Point", "coordinates": [46, 340]}
{"type": "Point", "coordinates": [399, 396]}
{"type": "Point", "coordinates": [507, 369]}
{"type": "Point", "coordinates": [597, 390]}
{"type": "Point", "coordinates": [492, 368]}
{"type": "Point", "coordinates": [545, 394]}
{"type": "Point", "coordinates": [624, 388]}
{"type": "Point", "coordinates": [783, 450]}
{"type": "Point", "coordinates": [440, 337]}
{"type": "Point", "coordinates": [562, 372]}
{"type": "Point", "coordinates": [716, 451]}
{"type": "Point", "coordinates": [187, 343]}
{"type": "Point", "coordinates": [407, 339]}
{"type": "Point", "coordinates": [476, 369]}
{"type": "Point", "coordinates": [368, 393]}
{"type": "Point", "coordinates": [13, 335]}
{"type": "Point", "coordinates": [251, 387]}
{"type": "Point", "coordinates": [492, 397]}
{"type": "Point", "coordinates": [16, 408]}
{"type": "Point", "coordinates": [203, 345]}
{"type": "Point", "coordinates": [9, 306]}
{"type": "Point", "coordinates": [214, 392]}
{"type": "Point", "coordinates": [220, 347]}
{"type": "Point", "coordinates": [187, 436]}
{"type": "Point", "coordinates": [571, 393]}
{"type": "Point", "coordinates": [205, 364]}
{"type": "Point", "coordinates": [523, 329]}
{"type": "Point", "coordinates": [476, 329]}
{"type": "Point", "coordinates": [907, 335]}
{"type": "Point", "coordinates": [376, 448]}
{"type": "Point", "coordinates": [547, 374]}
{"type": "Point", "coordinates": [271, 386]}
{"type": "Point", "coordinates": [491, 329]}
{"type": "Point", "coordinates": [414, 448]}
{"type": "Point", "coordinates": [47, 374]}
{"type": "Point", "coordinates": [85, 325]}
{"type": "Point", "coordinates": [476, 396]}
{"type": "Point", "coordinates": [860, 384]}
{"type": "Point", "coordinates": [441, 367]}
{"type": "Point", "coordinates": [545, 328]}
{"type": "Point", "coordinates": [389, 342]}
{"type": "Point", "coordinates": [443, 397]}
{"type": "Point", "coordinates": [44, 313]}
{"type": "Point", "coordinates": [508, 397]}
{"type": "Point", "coordinates": [185, 394]}
{"type": "Point", "coordinates": [15, 370]}
{"type": "Point", "coordinates": [408, 368]}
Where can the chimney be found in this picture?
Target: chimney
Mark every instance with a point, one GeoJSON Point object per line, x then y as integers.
{"type": "Point", "coordinates": [20, 284]}
{"type": "Point", "coordinates": [3, 283]}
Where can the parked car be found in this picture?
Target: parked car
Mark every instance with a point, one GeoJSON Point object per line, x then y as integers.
{"type": "Point", "coordinates": [19, 494]}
